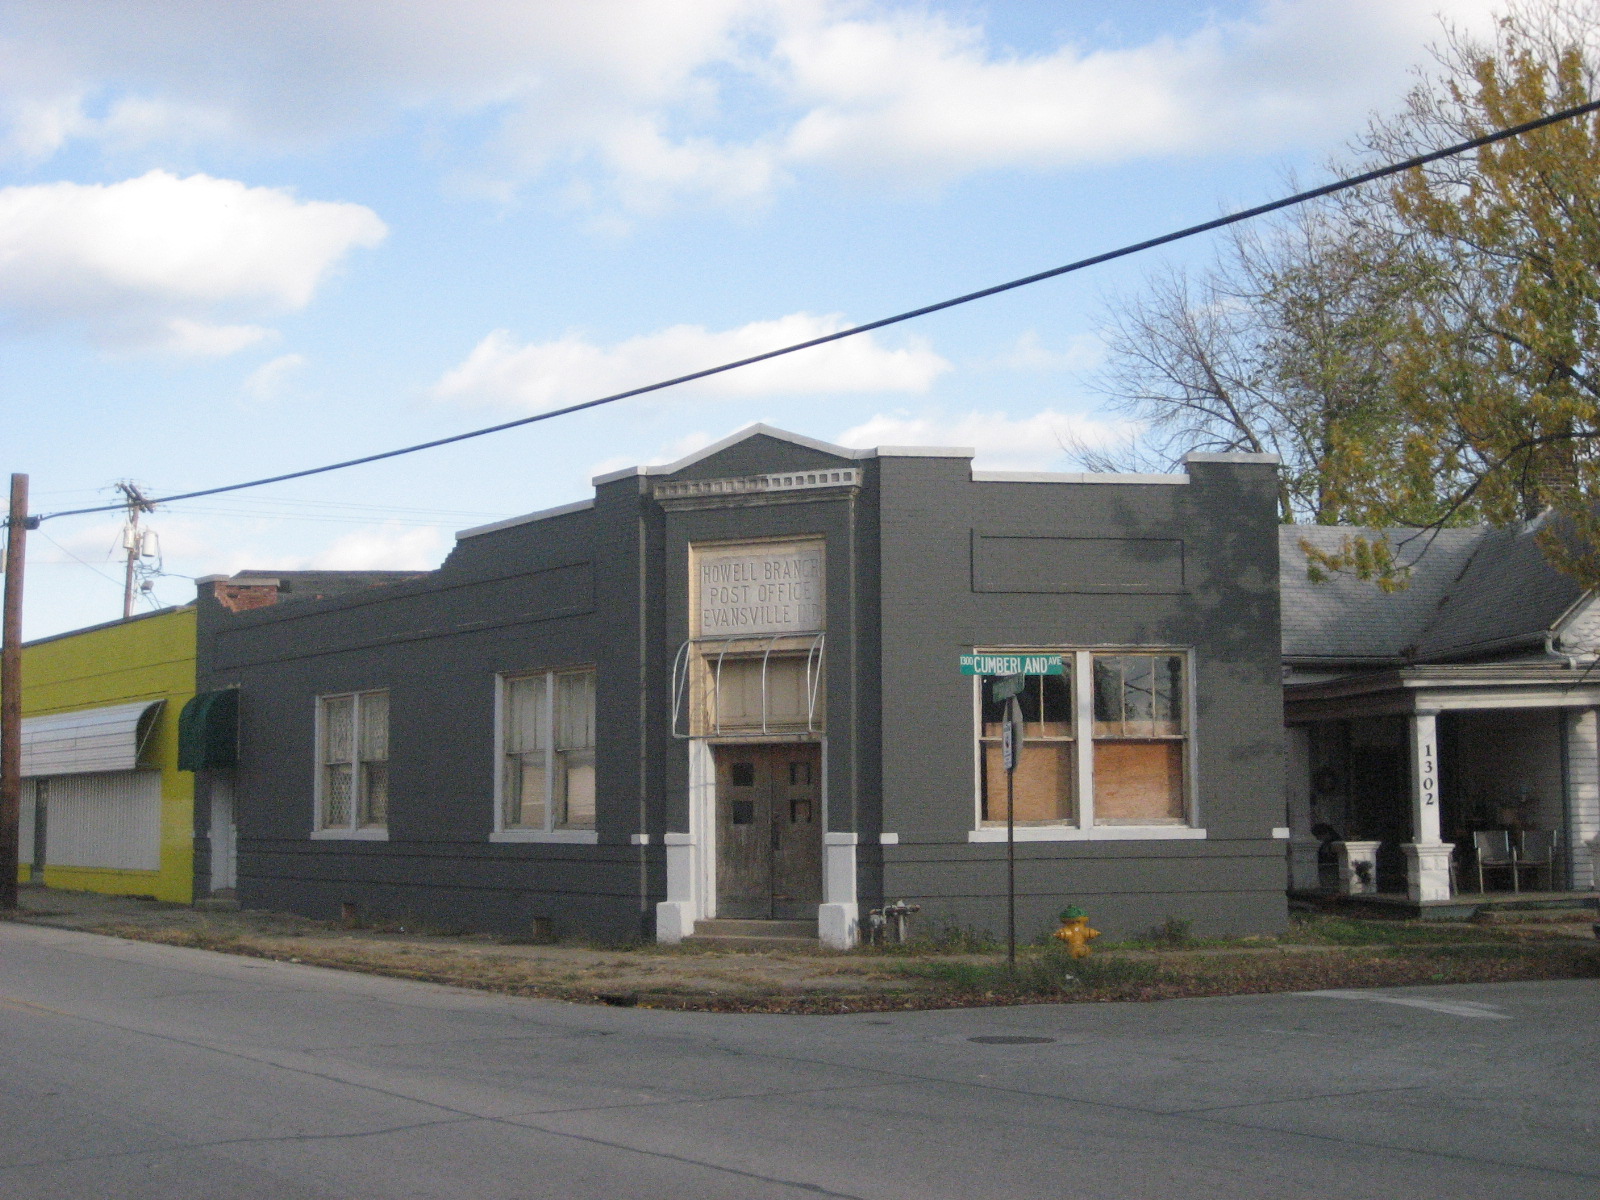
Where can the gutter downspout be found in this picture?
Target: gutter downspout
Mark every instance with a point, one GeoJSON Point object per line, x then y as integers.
{"type": "Point", "coordinates": [643, 651]}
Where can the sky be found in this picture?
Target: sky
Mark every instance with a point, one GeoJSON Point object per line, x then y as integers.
{"type": "Point", "coordinates": [247, 238]}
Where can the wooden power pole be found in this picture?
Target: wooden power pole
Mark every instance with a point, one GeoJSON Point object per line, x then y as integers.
{"type": "Point", "coordinates": [17, 525]}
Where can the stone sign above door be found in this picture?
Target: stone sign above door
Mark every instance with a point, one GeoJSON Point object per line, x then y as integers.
{"type": "Point", "coordinates": [758, 588]}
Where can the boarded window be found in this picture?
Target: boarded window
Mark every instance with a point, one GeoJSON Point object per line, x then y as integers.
{"type": "Point", "coordinates": [1043, 785]}
{"type": "Point", "coordinates": [756, 692]}
{"type": "Point", "coordinates": [1139, 739]}
{"type": "Point", "coordinates": [1106, 741]}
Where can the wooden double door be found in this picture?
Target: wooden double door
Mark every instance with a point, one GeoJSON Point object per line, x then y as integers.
{"type": "Point", "coordinates": [769, 830]}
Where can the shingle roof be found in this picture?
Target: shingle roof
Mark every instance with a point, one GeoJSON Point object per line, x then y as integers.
{"type": "Point", "coordinates": [1508, 594]}
{"type": "Point", "coordinates": [1346, 618]}
{"type": "Point", "coordinates": [1473, 592]}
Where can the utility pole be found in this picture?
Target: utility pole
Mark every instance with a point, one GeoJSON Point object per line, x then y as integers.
{"type": "Point", "coordinates": [132, 539]}
{"type": "Point", "coordinates": [18, 522]}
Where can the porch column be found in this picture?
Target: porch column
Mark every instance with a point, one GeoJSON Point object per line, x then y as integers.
{"type": "Point", "coordinates": [1427, 858]}
{"type": "Point", "coordinates": [1303, 874]}
{"type": "Point", "coordinates": [1583, 798]}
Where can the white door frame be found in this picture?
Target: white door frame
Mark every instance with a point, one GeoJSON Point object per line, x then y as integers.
{"type": "Point", "coordinates": [692, 861]}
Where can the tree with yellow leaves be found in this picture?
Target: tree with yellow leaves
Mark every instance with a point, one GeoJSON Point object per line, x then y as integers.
{"type": "Point", "coordinates": [1495, 361]}
{"type": "Point", "coordinates": [1423, 351]}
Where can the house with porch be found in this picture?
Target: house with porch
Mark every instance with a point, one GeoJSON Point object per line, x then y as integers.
{"type": "Point", "coordinates": [1441, 739]}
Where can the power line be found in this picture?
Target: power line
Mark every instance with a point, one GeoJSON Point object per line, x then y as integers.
{"type": "Point", "coordinates": [79, 561]}
{"type": "Point", "coordinates": [1165, 239]}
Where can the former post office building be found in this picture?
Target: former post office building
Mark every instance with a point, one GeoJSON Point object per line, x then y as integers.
{"type": "Point", "coordinates": [730, 688]}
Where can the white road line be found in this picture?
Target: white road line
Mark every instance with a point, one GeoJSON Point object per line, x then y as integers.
{"type": "Point", "coordinates": [1454, 1008]}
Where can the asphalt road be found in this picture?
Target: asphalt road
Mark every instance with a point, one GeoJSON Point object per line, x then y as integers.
{"type": "Point", "coordinates": [133, 1070]}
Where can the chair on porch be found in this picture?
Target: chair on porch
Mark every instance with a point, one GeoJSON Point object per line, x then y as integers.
{"type": "Point", "coordinates": [1536, 849]}
{"type": "Point", "coordinates": [1492, 848]}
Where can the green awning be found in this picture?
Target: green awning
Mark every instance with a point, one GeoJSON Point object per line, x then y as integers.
{"type": "Point", "coordinates": [208, 731]}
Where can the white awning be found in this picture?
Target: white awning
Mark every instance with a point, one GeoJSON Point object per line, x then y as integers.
{"type": "Point", "coordinates": [91, 739]}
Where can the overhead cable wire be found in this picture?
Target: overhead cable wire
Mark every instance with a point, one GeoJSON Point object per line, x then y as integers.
{"type": "Point", "coordinates": [1233, 218]}
{"type": "Point", "coordinates": [79, 561]}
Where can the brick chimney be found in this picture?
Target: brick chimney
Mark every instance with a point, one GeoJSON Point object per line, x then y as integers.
{"type": "Point", "coordinates": [240, 595]}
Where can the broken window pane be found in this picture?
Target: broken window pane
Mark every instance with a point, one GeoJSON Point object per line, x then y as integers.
{"type": "Point", "coordinates": [1139, 749]}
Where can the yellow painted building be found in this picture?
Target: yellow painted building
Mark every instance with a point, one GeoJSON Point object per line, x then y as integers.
{"type": "Point", "coordinates": [105, 807]}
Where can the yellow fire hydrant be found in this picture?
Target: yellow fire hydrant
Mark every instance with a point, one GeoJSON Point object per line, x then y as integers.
{"type": "Point", "coordinates": [1075, 931]}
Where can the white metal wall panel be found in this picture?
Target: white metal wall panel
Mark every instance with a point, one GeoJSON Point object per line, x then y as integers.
{"type": "Point", "coordinates": [105, 820]}
{"type": "Point", "coordinates": [92, 739]}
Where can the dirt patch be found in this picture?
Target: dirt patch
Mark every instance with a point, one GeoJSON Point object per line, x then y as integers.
{"type": "Point", "coordinates": [1316, 953]}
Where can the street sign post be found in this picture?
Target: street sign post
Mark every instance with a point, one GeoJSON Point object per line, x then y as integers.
{"type": "Point", "coordinates": [1011, 750]}
{"type": "Point", "coordinates": [1009, 675]}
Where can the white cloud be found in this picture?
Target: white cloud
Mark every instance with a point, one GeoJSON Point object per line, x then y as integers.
{"type": "Point", "coordinates": [198, 339]}
{"type": "Point", "coordinates": [923, 99]}
{"type": "Point", "coordinates": [537, 376]}
{"type": "Point", "coordinates": [1084, 351]}
{"type": "Point", "coordinates": [265, 381]}
{"type": "Point", "coordinates": [387, 547]}
{"type": "Point", "coordinates": [96, 542]}
{"type": "Point", "coordinates": [1002, 442]}
{"type": "Point", "coordinates": [630, 101]}
{"type": "Point", "coordinates": [671, 452]}
{"type": "Point", "coordinates": [149, 261]}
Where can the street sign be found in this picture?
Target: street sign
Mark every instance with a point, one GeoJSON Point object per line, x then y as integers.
{"type": "Point", "coordinates": [1007, 686]}
{"type": "Point", "coordinates": [1011, 664]}
{"type": "Point", "coordinates": [1011, 743]}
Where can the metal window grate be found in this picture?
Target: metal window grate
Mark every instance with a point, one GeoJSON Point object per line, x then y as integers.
{"type": "Point", "coordinates": [783, 481]}
{"type": "Point", "coordinates": [682, 664]}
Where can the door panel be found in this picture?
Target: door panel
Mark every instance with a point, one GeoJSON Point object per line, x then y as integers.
{"type": "Point", "coordinates": [744, 823]}
{"type": "Point", "coordinates": [797, 831]}
{"type": "Point", "coordinates": [769, 831]}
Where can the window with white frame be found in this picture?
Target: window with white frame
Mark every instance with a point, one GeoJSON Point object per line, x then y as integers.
{"type": "Point", "coordinates": [547, 778]}
{"type": "Point", "coordinates": [1138, 739]}
{"type": "Point", "coordinates": [353, 762]}
{"type": "Point", "coordinates": [1044, 789]}
{"type": "Point", "coordinates": [1106, 743]}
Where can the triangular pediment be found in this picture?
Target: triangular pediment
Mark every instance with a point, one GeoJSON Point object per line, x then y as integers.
{"type": "Point", "coordinates": [754, 450]}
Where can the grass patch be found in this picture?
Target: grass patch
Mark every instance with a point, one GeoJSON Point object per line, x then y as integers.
{"type": "Point", "coordinates": [1351, 931]}
{"type": "Point", "coordinates": [951, 968]}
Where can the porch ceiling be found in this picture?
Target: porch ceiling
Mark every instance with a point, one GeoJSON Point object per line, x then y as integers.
{"type": "Point", "coordinates": [1441, 689]}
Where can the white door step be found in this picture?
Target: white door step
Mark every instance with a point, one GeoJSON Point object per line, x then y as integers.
{"type": "Point", "coordinates": [744, 934]}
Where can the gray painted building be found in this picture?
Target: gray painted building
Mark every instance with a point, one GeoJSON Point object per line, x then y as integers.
{"type": "Point", "coordinates": [729, 688]}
